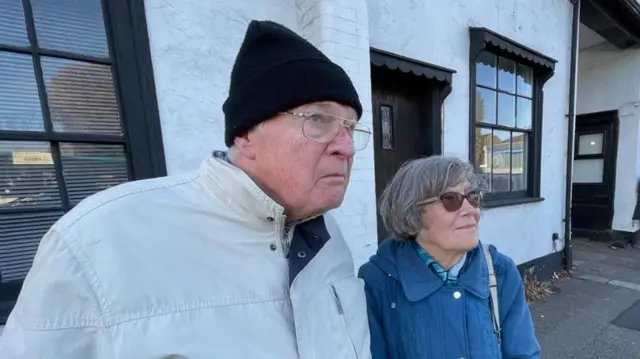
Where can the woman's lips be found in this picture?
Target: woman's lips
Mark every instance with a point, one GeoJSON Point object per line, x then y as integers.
{"type": "Point", "coordinates": [467, 227]}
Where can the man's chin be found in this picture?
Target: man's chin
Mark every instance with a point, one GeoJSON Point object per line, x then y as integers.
{"type": "Point", "coordinates": [333, 201]}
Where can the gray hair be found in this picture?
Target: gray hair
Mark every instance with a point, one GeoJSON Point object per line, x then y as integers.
{"type": "Point", "coordinates": [418, 180]}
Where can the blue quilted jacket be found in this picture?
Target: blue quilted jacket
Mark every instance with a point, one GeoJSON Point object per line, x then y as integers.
{"type": "Point", "coordinates": [413, 315]}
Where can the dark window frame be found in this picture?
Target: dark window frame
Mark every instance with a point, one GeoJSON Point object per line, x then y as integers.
{"type": "Point", "coordinates": [134, 86]}
{"type": "Point", "coordinates": [483, 39]}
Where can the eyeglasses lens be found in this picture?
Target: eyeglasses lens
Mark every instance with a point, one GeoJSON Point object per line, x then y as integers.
{"type": "Point", "coordinates": [452, 201]}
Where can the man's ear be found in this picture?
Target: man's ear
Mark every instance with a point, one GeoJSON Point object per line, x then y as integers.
{"type": "Point", "coordinates": [245, 146]}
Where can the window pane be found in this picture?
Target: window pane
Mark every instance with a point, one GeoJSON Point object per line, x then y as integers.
{"type": "Point", "coordinates": [13, 30]}
{"type": "Point", "coordinates": [19, 101]}
{"type": "Point", "coordinates": [588, 171]}
{"type": "Point", "coordinates": [590, 144]}
{"type": "Point", "coordinates": [20, 235]}
{"type": "Point", "coordinates": [501, 161]}
{"type": "Point", "coordinates": [92, 168]}
{"type": "Point", "coordinates": [506, 110]}
{"type": "Point", "coordinates": [506, 75]}
{"type": "Point", "coordinates": [484, 146]}
{"type": "Point", "coordinates": [519, 163]}
{"type": "Point", "coordinates": [525, 113]}
{"type": "Point", "coordinates": [81, 97]}
{"type": "Point", "coordinates": [386, 124]}
{"type": "Point", "coordinates": [27, 175]}
{"type": "Point", "coordinates": [525, 80]}
{"type": "Point", "coordinates": [486, 70]}
{"type": "Point", "coordinates": [485, 105]}
{"type": "Point", "coordinates": [75, 26]}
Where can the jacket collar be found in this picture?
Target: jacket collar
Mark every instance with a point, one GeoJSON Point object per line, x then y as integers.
{"type": "Point", "coordinates": [419, 282]}
{"type": "Point", "coordinates": [237, 190]}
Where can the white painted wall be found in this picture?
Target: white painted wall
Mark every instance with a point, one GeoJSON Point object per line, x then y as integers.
{"type": "Point", "coordinates": [193, 44]}
{"type": "Point", "coordinates": [437, 32]}
{"type": "Point", "coordinates": [609, 79]}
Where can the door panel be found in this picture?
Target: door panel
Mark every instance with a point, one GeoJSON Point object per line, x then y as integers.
{"type": "Point", "coordinates": [401, 124]}
{"type": "Point", "coordinates": [594, 172]}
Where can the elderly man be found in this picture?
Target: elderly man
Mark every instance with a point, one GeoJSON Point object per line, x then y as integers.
{"type": "Point", "coordinates": [239, 260]}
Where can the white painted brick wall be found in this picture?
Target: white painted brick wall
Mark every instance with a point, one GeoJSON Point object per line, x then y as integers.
{"type": "Point", "coordinates": [340, 29]}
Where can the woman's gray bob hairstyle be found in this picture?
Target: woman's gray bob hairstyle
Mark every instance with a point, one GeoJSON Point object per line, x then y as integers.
{"type": "Point", "coordinates": [418, 180]}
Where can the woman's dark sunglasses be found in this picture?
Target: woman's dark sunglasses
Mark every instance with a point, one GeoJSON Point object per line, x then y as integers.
{"type": "Point", "coordinates": [452, 201]}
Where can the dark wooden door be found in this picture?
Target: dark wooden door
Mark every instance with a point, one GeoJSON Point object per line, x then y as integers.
{"type": "Point", "coordinates": [402, 109]}
{"type": "Point", "coordinates": [594, 165]}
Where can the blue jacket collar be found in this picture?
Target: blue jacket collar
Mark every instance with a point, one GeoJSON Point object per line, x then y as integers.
{"type": "Point", "coordinates": [401, 262]}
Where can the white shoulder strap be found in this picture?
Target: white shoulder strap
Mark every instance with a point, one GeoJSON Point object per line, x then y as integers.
{"type": "Point", "coordinates": [493, 292]}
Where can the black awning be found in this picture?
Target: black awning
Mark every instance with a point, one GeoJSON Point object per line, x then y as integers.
{"type": "Point", "coordinates": [618, 21]}
{"type": "Point", "coordinates": [482, 38]}
{"type": "Point", "coordinates": [381, 58]}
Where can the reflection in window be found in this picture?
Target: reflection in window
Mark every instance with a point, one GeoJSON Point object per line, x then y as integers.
{"type": "Point", "coordinates": [501, 161]}
{"type": "Point", "coordinates": [506, 110]}
{"type": "Point", "coordinates": [27, 175]}
{"type": "Point", "coordinates": [506, 75]}
{"type": "Point", "coordinates": [525, 81]}
{"type": "Point", "coordinates": [41, 180]}
{"type": "Point", "coordinates": [588, 170]}
{"type": "Point", "coordinates": [590, 144]}
{"type": "Point", "coordinates": [503, 120]}
{"type": "Point", "coordinates": [81, 97]}
{"type": "Point", "coordinates": [74, 26]}
{"type": "Point", "coordinates": [486, 70]}
{"type": "Point", "coordinates": [386, 124]}
{"type": "Point", "coordinates": [13, 30]}
{"type": "Point", "coordinates": [19, 102]}
{"type": "Point", "coordinates": [483, 151]}
{"type": "Point", "coordinates": [524, 113]}
{"type": "Point", "coordinates": [485, 105]}
{"type": "Point", "coordinates": [519, 160]}
{"type": "Point", "coordinates": [91, 168]}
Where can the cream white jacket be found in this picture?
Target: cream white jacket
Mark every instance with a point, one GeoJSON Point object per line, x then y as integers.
{"type": "Point", "coordinates": [185, 266]}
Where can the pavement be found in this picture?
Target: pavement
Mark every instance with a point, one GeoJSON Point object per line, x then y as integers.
{"type": "Point", "coordinates": [595, 314]}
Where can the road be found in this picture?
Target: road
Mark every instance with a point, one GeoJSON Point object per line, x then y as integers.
{"type": "Point", "coordinates": [589, 316]}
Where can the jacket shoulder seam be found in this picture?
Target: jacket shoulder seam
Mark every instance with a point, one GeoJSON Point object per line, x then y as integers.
{"type": "Point", "coordinates": [108, 200]}
{"type": "Point", "coordinates": [84, 322]}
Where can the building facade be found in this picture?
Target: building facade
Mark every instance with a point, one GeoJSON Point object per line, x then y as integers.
{"type": "Point", "coordinates": [95, 93]}
{"type": "Point", "coordinates": [607, 161]}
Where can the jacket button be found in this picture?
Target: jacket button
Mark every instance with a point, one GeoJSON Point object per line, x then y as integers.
{"type": "Point", "coordinates": [457, 295]}
{"type": "Point", "coordinates": [270, 219]}
{"type": "Point", "coordinates": [302, 254]}
{"type": "Point", "coordinates": [273, 247]}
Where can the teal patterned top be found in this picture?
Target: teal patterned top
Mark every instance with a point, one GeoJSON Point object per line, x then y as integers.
{"type": "Point", "coordinates": [449, 277]}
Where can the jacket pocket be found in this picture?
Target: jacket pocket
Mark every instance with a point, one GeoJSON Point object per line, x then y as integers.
{"type": "Point", "coordinates": [340, 310]}
{"type": "Point", "coordinates": [333, 323]}
{"type": "Point", "coordinates": [351, 307]}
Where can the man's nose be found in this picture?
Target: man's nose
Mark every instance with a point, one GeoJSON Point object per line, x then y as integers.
{"type": "Point", "coordinates": [342, 144]}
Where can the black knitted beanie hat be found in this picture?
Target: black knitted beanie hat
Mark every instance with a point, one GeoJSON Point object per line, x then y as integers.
{"type": "Point", "coordinates": [277, 70]}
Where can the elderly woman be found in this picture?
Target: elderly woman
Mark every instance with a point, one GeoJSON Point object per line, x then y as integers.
{"type": "Point", "coordinates": [428, 287]}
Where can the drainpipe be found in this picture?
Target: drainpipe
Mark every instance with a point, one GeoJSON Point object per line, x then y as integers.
{"type": "Point", "coordinates": [575, 28]}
